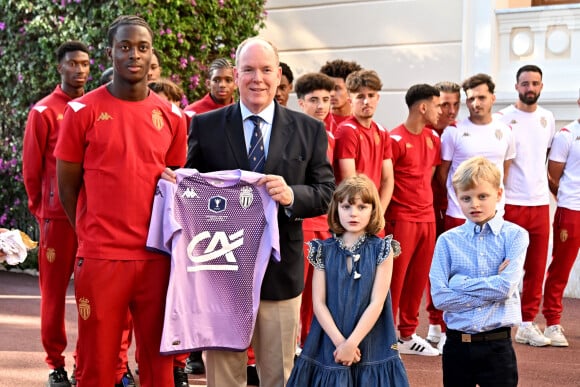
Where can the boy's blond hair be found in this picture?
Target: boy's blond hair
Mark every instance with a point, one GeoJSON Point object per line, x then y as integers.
{"type": "Point", "coordinates": [363, 187]}
{"type": "Point", "coordinates": [473, 171]}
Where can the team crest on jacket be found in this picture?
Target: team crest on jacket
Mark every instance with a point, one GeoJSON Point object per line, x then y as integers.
{"type": "Point", "coordinates": [543, 122]}
{"type": "Point", "coordinates": [50, 254]}
{"type": "Point", "coordinates": [429, 143]}
{"type": "Point", "coordinates": [84, 308]}
{"type": "Point", "coordinates": [498, 134]}
{"type": "Point", "coordinates": [217, 204]}
{"type": "Point", "coordinates": [377, 138]}
{"type": "Point", "coordinates": [246, 197]}
{"type": "Point", "coordinates": [563, 235]}
{"type": "Point", "coordinates": [157, 119]}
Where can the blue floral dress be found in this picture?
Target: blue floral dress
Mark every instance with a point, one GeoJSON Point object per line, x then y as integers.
{"type": "Point", "coordinates": [347, 296]}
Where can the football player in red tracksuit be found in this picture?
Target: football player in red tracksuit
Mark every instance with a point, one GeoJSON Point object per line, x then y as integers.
{"type": "Point", "coordinates": [313, 92]}
{"type": "Point", "coordinates": [449, 98]}
{"type": "Point", "coordinates": [221, 88]}
{"type": "Point", "coordinates": [362, 145]}
{"type": "Point", "coordinates": [338, 70]}
{"type": "Point", "coordinates": [410, 217]}
{"type": "Point", "coordinates": [113, 145]}
{"type": "Point", "coordinates": [58, 243]}
{"type": "Point", "coordinates": [564, 174]}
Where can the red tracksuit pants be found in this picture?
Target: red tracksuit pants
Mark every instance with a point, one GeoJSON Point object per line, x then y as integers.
{"type": "Point", "coordinates": [410, 270]}
{"type": "Point", "coordinates": [56, 257]}
{"type": "Point", "coordinates": [536, 220]}
{"type": "Point", "coordinates": [566, 244]}
{"type": "Point", "coordinates": [105, 290]}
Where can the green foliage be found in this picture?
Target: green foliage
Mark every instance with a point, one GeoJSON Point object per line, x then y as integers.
{"type": "Point", "coordinates": [188, 34]}
{"type": "Point", "coordinates": [191, 34]}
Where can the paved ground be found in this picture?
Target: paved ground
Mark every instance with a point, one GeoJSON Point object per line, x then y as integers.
{"type": "Point", "coordinates": [22, 364]}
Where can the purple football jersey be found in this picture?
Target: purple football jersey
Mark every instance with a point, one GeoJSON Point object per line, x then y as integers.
{"type": "Point", "coordinates": [221, 230]}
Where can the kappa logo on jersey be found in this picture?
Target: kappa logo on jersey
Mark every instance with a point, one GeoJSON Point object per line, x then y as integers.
{"type": "Point", "coordinates": [189, 193]}
{"type": "Point", "coordinates": [498, 134]}
{"type": "Point", "coordinates": [220, 245]}
{"type": "Point", "coordinates": [104, 116]}
{"type": "Point", "coordinates": [217, 204]}
{"type": "Point", "coordinates": [246, 197]}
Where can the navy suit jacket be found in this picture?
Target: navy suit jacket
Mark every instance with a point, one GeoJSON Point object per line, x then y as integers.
{"type": "Point", "coordinates": [297, 152]}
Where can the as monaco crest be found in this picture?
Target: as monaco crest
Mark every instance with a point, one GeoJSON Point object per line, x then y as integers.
{"type": "Point", "coordinates": [84, 308]}
{"type": "Point", "coordinates": [246, 197]}
{"type": "Point", "coordinates": [50, 254]}
{"type": "Point", "coordinates": [157, 119]}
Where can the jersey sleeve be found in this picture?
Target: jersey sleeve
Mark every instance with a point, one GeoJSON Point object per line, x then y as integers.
{"type": "Point", "coordinates": [270, 207]}
{"type": "Point", "coordinates": [33, 149]}
{"type": "Point", "coordinates": [177, 151]}
{"type": "Point", "coordinates": [315, 256]}
{"type": "Point", "coordinates": [70, 145]}
{"type": "Point", "coordinates": [448, 143]}
{"type": "Point", "coordinates": [387, 145]}
{"type": "Point", "coordinates": [346, 142]}
{"type": "Point", "coordinates": [163, 225]}
{"type": "Point", "coordinates": [437, 144]}
{"type": "Point", "coordinates": [396, 151]}
{"type": "Point", "coordinates": [511, 145]}
{"type": "Point", "coordinates": [561, 146]}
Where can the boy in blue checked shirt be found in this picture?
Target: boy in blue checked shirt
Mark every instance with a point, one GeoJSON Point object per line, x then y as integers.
{"type": "Point", "coordinates": [474, 277]}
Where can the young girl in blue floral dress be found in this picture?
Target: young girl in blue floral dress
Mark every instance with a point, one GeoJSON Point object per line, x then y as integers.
{"type": "Point", "coordinates": [352, 340]}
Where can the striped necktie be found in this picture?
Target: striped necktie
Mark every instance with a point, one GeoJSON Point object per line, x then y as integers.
{"type": "Point", "coordinates": [256, 155]}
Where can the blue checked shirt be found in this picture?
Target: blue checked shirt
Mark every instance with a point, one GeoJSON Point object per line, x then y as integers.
{"type": "Point", "coordinates": [465, 283]}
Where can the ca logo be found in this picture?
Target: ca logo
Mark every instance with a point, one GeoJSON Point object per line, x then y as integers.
{"type": "Point", "coordinates": [220, 245]}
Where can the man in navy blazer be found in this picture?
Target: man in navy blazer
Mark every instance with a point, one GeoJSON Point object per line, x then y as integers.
{"type": "Point", "coordinates": [298, 176]}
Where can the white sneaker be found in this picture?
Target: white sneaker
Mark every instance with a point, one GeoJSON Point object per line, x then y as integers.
{"type": "Point", "coordinates": [531, 335]}
{"type": "Point", "coordinates": [434, 334]}
{"type": "Point", "coordinates": [556, 335]}
{"type": "Point", "coordinates": [441, 342]}
{"type": "Point", "coordinates": [417, 346]}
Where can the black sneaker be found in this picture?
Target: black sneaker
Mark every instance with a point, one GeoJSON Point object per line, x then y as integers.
{"type": "Point", "coordinates": [252, 375]}
{"type": "Point", "coordinates": [194, 364]}
{"type": "Point", "coordinates": [127, 380]}
{"type": "Point", "coordinates": [58, 378]}
{"type": "Point", "coordinates": [180, 377]}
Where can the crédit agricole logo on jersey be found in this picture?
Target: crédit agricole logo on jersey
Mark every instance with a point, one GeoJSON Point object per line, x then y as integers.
{"type": "Point", "coordinates": [219, 243]}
